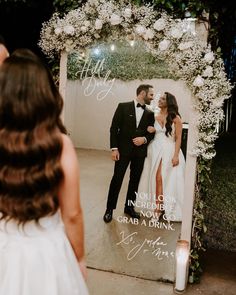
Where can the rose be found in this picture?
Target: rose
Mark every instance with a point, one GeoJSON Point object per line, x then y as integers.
{"type": "Point", "coordinates": [115, 19]}
{"type": "Point", "coordinates": [198, 81]}
{"type": "Point", "coordinates": [208, 72]}
{"type": "Point", "coordinates": [209, 57]}
{"type": "Point", "coordinates": [140, 30]}
{"type": "Point", "coordinates": [176, 33]}
{"type": "Point", "coordinates": [98, 24]}
{"type": "Point", "coordinates": [69, 30]}
{"type": "Point", "coordinates": [163, 45]}
{"type": "Point", "coordinates": [149, 34]}
{"type": "Point", "coordinates": [127, 12]}
{"type": "Point", "coordinates": [185, 45]}
{"type": "Point", "coordinates": [160, 24]}
{"type": "Point", "coordinates": [58, 31]}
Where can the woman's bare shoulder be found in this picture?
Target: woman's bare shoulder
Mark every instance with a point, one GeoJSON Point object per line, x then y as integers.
{"type": "Point", "coordinates": [177, 119]}
{"type": "Point", "coordinates": [68, 155]}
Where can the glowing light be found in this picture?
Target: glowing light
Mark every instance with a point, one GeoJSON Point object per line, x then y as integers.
{"type": "Point", "coordinates": [132, 42]}
{"type": "Point", "coordinates": [113, 47]}
{"type": "Point", "coordinates": [97, 51]}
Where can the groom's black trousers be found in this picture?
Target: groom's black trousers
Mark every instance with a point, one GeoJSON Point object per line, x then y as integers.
{"type": "Point", "coordinates": [136, 167]}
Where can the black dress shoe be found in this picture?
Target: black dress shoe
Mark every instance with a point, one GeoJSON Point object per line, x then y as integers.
{"type": "Point", "coordinates": [131, 212]}
{"type": "Point", "coordinates": [108, 215]}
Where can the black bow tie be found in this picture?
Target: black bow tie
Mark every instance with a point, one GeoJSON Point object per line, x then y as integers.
{"type": "Point", "coordinates": [141, 106]}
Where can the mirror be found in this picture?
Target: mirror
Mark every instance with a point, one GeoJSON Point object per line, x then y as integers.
{"type": "Point", "coordinates": [92, 92]}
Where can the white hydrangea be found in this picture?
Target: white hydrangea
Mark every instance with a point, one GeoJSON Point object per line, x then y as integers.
{"type": "Point", "coordinates": [58, 31]}
{"type": "Point", "coordinates": [140, 30]}
{"type": "Point", "coordinates": [69, 30]}
{"type": "Point", "coordinates": [209, 57]}
{"type": "Point", "coordinates": [198, 81]}
{"type": "Point", "coordinates": [149, 34]}
{"type": "Point", "coordinates": [98, 24]}
{"type": "Point", "coordinates": [127, 12]}
{"type": "Point", "coordinates": [160, 24]}
{"type": "Point", "coordinates": [176, 33]}
{"type": "Point", "coordinates": [115, 19]}
{"type": "Point", "coordinates": [208, 72]}
{"type": "Point", "coordinates": [163, 45]}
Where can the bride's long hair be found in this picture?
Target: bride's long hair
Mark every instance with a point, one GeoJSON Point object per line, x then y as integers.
{"type": "Point", "coordinates": [30, 139]}
{"type": "Point", "coordinates": [172, 112]}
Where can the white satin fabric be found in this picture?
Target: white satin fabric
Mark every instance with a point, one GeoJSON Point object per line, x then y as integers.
{"type": "Point", "coordinates": [38, 259]}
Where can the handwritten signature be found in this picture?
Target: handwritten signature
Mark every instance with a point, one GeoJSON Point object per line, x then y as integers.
{"type": "Point", "coordinates": [90, 82]}
{"type": "Point", "coordinates": [153, 246]}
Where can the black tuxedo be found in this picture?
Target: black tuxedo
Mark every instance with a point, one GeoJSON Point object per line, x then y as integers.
{"type": "Point", "coordinates": [123, 130]}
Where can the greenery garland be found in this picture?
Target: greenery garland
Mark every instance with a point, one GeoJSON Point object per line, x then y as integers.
{"type": "Point", "coordinates": [201, 68]}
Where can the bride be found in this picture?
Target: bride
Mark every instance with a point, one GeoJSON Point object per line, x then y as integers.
{"type": "Point", "coordinates": [161, 187]}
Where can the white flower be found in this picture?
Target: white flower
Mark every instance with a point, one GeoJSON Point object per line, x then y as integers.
{"type": "Point", "coordinates": [84, 29]}
{"type": "Point", "coordinates": [87, 23]}
{"type": "Point", "coordinates": [163, 45]}
{"type": "Point", "coordinates": [69, 30]}
{"type": "Point", "coordinates": [176, 33]}
{"type": "Point", "coordinates": [185, 45]}
{"type": "Point", "coordinates": [69, 45]}
{"type": "Point", "coordinates": [198, 81]}
{"type": "Point", "coordinates": [115, 19]}
{"type": "Point", "coordinates": [208, 72]}
{"type": "Point", "coordinates": [98, 24]}
{"type": "Point", "coordinates": [58, 31]}
{"type": "Point", "coordinates": [140, 30]}
{"type": "Point", "coordinates": [149, 34]}
{"type": "Point", "coordinates": [160, 24]}
{"type": "Point", "coordinates": [127, 12]}
{"type": "Point", "coordinates": [209, 57]}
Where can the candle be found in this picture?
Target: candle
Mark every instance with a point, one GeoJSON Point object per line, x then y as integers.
{"type": "Point", "coordinates": [181, 271]}
{"type": "Point", "coordinates": [182, 258]}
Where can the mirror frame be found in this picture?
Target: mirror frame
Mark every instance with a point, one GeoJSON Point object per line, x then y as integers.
{"type": "Point", "coordinates": [58, 35]}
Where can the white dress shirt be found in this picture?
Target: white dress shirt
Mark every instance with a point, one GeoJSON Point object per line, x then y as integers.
{"type": "Point", "coordinates": [138, 112]}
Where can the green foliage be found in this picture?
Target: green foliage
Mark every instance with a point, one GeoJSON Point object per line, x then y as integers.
{"type": "Point", "coordinates": [220, 202]}
{"type": "Point", "coordinates": [64, 6]}
{"type": "Point", "coordinates": [125, 62]}
{"type": "Point", "coordinates": [199, 227]}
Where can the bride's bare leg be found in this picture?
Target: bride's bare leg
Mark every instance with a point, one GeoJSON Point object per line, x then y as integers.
{"type": "Point", "coordinates": [159, 190]}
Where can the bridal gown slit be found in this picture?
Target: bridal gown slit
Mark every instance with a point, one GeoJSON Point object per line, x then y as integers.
{"type": "Point", "coordinates": [160, 152]}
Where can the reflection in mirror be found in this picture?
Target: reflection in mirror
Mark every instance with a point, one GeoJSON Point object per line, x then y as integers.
{"type": "Point", "coordinates": [98, 80]}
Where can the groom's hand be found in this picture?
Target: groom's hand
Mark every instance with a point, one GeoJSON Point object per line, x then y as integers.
{"type": "Point", "coordinates": [115, 155]}
{"type": "Point", "coordinates": [139, 140]}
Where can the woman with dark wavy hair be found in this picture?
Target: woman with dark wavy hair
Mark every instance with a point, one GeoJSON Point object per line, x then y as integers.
{"type": "Point", "coordinates": [164, 167]}
{"type": "Point", "coordinates": [41, 221]}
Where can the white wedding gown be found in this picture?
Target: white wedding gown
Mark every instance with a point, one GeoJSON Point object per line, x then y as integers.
{"type": "Point", "coordinates": [38, 259]}
{"type": "Point", "coordinates": [162, 148]}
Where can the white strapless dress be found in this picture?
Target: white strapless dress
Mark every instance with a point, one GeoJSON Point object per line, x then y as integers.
{"type": "Point", "coordinates": [38, 260]}
{"type": "Point", "coordinates": [162, 148]}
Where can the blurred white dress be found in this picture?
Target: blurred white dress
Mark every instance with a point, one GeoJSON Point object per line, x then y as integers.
{"type": "Point", "coordinates": [162, 149]}
{"type": "Point", "coordinates": [38, 259]}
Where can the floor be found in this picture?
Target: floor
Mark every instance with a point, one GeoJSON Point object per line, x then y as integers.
{"type": "Point", "coordinates": [120, 268]}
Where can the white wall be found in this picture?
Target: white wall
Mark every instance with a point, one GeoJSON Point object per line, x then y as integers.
{"type": "Point", "coordinates": [89, 107]}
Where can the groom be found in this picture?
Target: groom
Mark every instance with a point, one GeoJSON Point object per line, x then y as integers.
{"type": "Point", "coordinates": [128, 141]}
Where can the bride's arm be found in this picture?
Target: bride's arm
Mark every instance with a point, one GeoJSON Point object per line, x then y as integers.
{"type": "Point", "coordinates": [178, 136]}
{"type": "Point", "coordinates": [151, 129]}
{"type": "Point", "coordinates": [69, 201]}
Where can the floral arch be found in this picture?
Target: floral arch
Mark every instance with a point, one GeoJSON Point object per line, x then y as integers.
{"type": "Point", "coordinates": [188, 58]}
